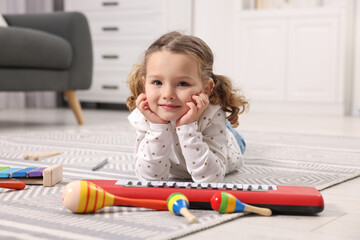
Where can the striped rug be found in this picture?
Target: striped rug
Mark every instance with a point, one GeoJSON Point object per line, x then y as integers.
{"type": "Point", "coordinates": [38, 213]}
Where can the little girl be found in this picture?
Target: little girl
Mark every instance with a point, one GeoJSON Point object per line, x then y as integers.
{"type": "Point", "coordinates": [179, 109]}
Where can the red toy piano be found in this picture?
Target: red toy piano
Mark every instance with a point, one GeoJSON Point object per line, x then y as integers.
{"type": "Point", "coordinates": [280, 199]}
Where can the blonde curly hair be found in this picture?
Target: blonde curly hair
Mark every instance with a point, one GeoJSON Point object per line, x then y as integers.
{"type": "Point", "coordinates": [223, 93]}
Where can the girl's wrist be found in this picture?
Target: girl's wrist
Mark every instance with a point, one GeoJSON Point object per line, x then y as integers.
{"type": "Point", "coordinates": [160, 126]}
{"type": "Point", "coordinates": [187, 128]}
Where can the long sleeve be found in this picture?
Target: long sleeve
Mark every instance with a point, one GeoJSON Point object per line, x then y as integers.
{"type": "Point", "coordinates": [152, 154]}
{"type": "Point", "coordinates": [205, 151]}
{"type": "Point", "coordinates": [152, 147]}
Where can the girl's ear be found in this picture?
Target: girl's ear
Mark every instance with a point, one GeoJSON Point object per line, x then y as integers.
{"type": "Point", "coordinates": [143, 80]}
{"type": "Point", "coordinates": [209, 86]}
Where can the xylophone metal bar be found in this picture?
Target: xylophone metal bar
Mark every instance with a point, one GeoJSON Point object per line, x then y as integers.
{"type": "Point", "coordinates": [33, 175]}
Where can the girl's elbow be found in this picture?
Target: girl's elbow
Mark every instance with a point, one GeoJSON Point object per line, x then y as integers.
{"type": "Point", "coordinates": [210, 178]}
{"type": "Point", "coordinates": [151, 176]}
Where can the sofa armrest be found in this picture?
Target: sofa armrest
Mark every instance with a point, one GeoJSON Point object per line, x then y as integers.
{"type": "Point", "coordinates": [73, 27]}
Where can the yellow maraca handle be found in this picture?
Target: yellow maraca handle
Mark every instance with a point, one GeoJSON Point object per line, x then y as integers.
{"type": "Point", "coordinates": [262, 211]}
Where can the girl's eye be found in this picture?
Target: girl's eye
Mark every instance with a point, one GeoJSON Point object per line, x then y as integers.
{"type": "Point", "coordinates": [157, 82]}
{"type": "Point", "coordinates": [183, 84]}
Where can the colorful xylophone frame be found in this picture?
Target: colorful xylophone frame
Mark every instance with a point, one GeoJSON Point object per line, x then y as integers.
{"type": "Point", "coordinates": [47, 176]}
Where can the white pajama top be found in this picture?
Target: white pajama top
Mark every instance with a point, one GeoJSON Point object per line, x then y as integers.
{"type": "Point", "coordinates": [204, 150]}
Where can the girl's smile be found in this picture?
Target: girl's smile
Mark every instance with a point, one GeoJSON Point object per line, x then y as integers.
{"type": "Point", "coordinates": [169, 107]}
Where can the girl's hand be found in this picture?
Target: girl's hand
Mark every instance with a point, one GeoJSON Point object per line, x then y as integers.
{"type": "Point", "coordinates": [143, 106]}
{"type": "Point", "coordinates": [195, 109]}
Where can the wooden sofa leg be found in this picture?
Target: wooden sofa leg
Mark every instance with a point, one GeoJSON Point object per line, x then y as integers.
{"type": "Point", "coordinates": [75, 105]}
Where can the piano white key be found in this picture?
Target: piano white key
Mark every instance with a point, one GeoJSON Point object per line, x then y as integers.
{"type": "Point", "coordinates": [194, 185]}
{"type": "Point", "coordinates": [259, 188]}
{"type": "Point", "coordinates": [170, 184]}
{"type": "Point", "coordinates": [229, 186]}
{"type": "Point", "coordinates": [153, 183]}
{"type": "Point", "coordinates": [144, 183]}
{"type": "Point", "coordinates": [161, 183]}
{"type": "Point", "coordinates": [121, 182]}
{"type": "Point", "coordinates": [273, 187]}
{"type": "Point", "coordinates": [220, 185]}
{"type": "Point", "coordinates": [213, 185]}
{"type": "Point", "coordinates": [236, 186]}
{"type": "Point", "coordinates": [137, 183]}
{"type": "Point", "coordinates": [181, 184]}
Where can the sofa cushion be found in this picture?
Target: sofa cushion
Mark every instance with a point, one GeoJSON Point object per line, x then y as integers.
{"type": "Point", "coordinates": [28, 48]}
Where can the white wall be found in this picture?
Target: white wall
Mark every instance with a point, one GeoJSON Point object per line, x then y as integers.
{"type": "Point", "coordinates": [213, 25]}
{"type": "Point", "coordinates": [215, 22]}
{"type": "Point", "coordinates": [356, 84]}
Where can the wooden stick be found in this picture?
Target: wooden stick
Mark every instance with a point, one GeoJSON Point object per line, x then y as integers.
{"type": "Point", "coordinates": [12, 184]}
{"type": "Point", "coordinates": [262, 211]}
{"type": "Point", "coordinates": [46, 154]}
{"type": "Point", "coordinates": [188, 216]}
{"type": "Point", "coordinates": [100, 165]}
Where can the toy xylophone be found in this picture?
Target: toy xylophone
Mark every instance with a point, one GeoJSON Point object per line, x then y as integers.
{"type": "Point", "coordinates": [280, 199]}
{"type": "Point", "coordinates": [47, 176]}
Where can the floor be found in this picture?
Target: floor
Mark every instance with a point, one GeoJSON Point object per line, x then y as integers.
{"type": "Point", "coordinates": [339, 220]}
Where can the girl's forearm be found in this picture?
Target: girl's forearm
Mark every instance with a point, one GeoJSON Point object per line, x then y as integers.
{"type": "Point", "coordinates": [152, 161]}
{"type": "Point", "coordinates": [205, 156]}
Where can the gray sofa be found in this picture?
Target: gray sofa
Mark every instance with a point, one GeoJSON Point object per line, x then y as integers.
{"type": "Point", "coordinates": [47, 52]}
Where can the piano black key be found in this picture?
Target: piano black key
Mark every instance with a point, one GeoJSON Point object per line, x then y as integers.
{"type": "Point", "coordinates": [181, 184]}
{"type": "Point", "coordinates": [170, 184]}
{"type": "Point", "coordinates": [193, 185]}
{"type": "Point", "coordinates": [238, 186]}
{"type": "Point", "coordinates": [230, 186]}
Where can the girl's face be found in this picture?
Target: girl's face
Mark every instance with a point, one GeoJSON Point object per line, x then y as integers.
{"type": "Point", "coordinates": [171, 80]}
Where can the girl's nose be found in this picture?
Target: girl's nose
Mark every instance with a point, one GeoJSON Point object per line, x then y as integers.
{"type": "Point", "coordinates": [169, 93]}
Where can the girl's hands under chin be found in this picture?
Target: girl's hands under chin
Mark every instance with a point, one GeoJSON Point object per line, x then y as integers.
{"type": "Point", "coordinates": [195, 109]}
{"type": "Point", "coordinates": [143, 106]}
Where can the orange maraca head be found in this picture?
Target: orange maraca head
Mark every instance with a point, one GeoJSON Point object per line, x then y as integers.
{"type": "Point", "coordinates": [83, 197]}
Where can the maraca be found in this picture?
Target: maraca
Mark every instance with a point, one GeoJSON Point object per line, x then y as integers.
{"type": "Point", "coordinates": [83, 197]}
{"type": "Point", "coordinates": [178, 204]}
{"type": "Point", "coordinates": [224, 202]}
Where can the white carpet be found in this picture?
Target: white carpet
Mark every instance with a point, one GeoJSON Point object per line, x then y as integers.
{"type": "Point", "coordinates": [271, 158]}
